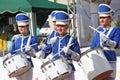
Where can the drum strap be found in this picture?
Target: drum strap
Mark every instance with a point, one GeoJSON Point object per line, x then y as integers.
{"type": "Point", "coordinates": [21, 45]}
{"type": "Point", "coordinates": [55, 32]}
{"type": "Point", "coordinates": [70, 40]}
{"type": "Point", "coordinates": [28, 42]}
{"type": "Point", "coordinates": [109, 31]}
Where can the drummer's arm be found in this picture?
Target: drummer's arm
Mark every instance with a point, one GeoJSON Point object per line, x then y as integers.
{"type": "Point", "coordinates": [13, 47]}
{"type": "Point", "coordinates": [74, 55]}
{"type": "Point", "coordinates": [45, 52]}
{"type": "Point", "coordinates": [74, 51]}
{"type": "Point", "coordinates": [7, 56]}
{"type": "Point", "coordinates": [94, 40]}
{"type": "Point", "coordinates": [32, 52]}
{"type": "Point", "coordinates": [112, 43]}
{"type": "Point", "coordinates": [33, 47]}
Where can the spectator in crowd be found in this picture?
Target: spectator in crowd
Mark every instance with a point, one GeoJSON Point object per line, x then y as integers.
{"type": "Point", "coordinates": [5, 39]}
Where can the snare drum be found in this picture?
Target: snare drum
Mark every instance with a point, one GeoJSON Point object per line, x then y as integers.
{"type": "Point", "coordinates": [17, 65]}
{"type": "Point", "coordinates": [95, 64]}
{"type": "Point", "coordinates": [57, 69]}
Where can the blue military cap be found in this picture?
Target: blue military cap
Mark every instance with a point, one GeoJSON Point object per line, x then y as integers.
{"type": "Point", "coordinates": [53, 15]}
{"type": "Point", "coordinates": [62, 18]}
{"type": "Point", "coordinates": [105, 10]}
{"type": "Point", "coordinates": [22, 19]}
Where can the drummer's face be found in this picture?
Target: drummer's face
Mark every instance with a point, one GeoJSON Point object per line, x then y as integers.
{"type": "Point", "coordinates": [105, 21]}
{"type": "Point", "coordinates": [24, 29]}
{"type": "Point", "coordinates": [62, 29]}
{"type": "Point", "coordinates": [54, 24]}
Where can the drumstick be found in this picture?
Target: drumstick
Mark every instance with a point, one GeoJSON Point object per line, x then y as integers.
{"type": "Point", "coordinates": [62, 50]}
{"type": "Point", "coordinates": [94, 29]}
{"type": "Point", "coordinates": [88, 50]}
{"type": "Point", "coordinates": [24, 47]}
{"type": "Point", "coordinates": [97, 31]}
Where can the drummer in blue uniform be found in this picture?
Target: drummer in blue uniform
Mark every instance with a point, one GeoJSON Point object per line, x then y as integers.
{"type": "Point", "coordinates": [64, 45]}
{"type": "Point", "coordinates": [54, 33]}
{"type": "Point", "coordinates": [108, 38]}
{"type": "Point", "coordinates": [24, 43]}
{"type": "Point", "coordinates": [52, 36]}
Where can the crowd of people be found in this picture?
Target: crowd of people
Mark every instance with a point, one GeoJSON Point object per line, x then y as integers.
{"type": "Point", "coordinates": [5, 39]}
{"type": "Point", "coordinates": [61, 44]}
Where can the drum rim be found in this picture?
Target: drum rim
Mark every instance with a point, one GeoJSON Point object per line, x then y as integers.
{"type": "Point", "coordinates": [61, 76]}
{"type": "Point", "coordinates": [11, 74]}
{"type": "Point", "coordinates": [87, 51]}
{"type": "Point", "coordinates": [50, 61]}
{"type": "Point", "coordinates": [12, 57]}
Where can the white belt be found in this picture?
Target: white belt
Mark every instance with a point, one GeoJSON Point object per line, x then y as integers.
{"type": "Point", "coordinates": [107, 48]}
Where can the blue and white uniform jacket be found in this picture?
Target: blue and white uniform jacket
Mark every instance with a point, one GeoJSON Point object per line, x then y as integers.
{"type": "Point", "coordinates": [113, 34]}
{"type": "Point", "coordinates": [52, 35]}
{"type": "Point", "coordinates": [57, 48]}
{"type": "Point", "coordinates": [19, 44]}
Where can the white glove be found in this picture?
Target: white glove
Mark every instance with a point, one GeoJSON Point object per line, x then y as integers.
{"type": "Point", "coordinates": [103, 37]}
{"type": "Point", "coordinates": [7, 56]}
{"type": "Point", "coordinates": [52, 40]}
{"type": "Point", "coordinates": [66, 50]}
{"type": "Point", "coordinates": [40, 54]}
{"type": "Point", "coordinates": [75, 56]}
{"type": "Point", "coordinates": [111, 43]}
{"type": "Point", "coordinates": [31, 51]}
{"type": "Point", "coordinates": [27, 48]}
{"type": "Point", "coordinates": [41, 46]}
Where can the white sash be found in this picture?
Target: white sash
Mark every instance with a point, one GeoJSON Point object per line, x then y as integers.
{"type": "Point", "coordinates": [28, 43]}
{"type": "Point", "coordinates": [107, 35]}
{"type": "Point", "coordinates": [21, 47]}
{"type": "Point", "coordinates": [70, 40]}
